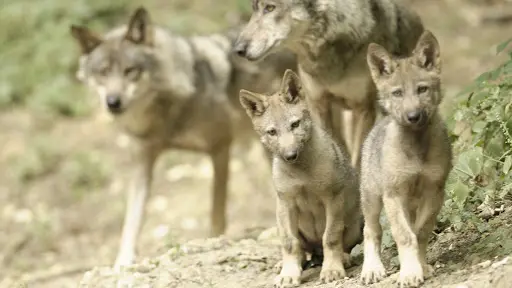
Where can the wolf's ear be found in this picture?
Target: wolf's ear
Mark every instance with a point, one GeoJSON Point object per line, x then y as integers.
{"type": "Point", "coordinates": [253, 103]}
{"type": "Point", "coordinates": [88, 40]}
{"type": "Point", "coordinates": [140, 29]}
{"type": "Point", "coordinates": [379, 61]}
{"type": "Point", "coordinates": [427, 52]}
{"type": "Point", "coordinates": [291, 86]}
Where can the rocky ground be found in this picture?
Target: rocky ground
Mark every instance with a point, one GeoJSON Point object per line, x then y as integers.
{"type": "Point", "coordinates": [462, 259]}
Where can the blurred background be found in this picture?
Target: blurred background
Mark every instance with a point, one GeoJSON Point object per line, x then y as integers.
{"type": "Point", "coordinates": [62, 180]}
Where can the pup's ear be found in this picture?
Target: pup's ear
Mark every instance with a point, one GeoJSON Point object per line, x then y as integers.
{"type": "Point", "coordinates": [291, 87]}
{"type": "Point", "coordinates": [88, 40]}
{"type": "Point", "coordinates": [427, 52]}
{"type": "Point", "coordinates": [379, 61]}
{"type": "Point", "coordinates": [140, 29]}
{"type": "Point", "coordinates": [253, 103]}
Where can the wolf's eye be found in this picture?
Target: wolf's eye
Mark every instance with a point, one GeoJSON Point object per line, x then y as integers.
{"type": "Point", "coordinates": [269, 8]}
{"type": "Point", "coordinates": [272, 132]}
{"type": "Point", "coordinates": [133, 73]}
{"type": "Point", "coordinates": [422, 89]}
{"type": "Point", "coordinates": [103, 70]}
{"type": "Point", "coordinates": [295, 124]}
{"type": "Point", "coordinates": [397, 93]}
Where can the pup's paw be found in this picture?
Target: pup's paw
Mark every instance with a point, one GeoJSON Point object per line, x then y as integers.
{"type": "Point", "coordinates": [373, 272]}
{"type": "Point", "coordinates": [329, 275]}
{"type": "Point", "coordinates": [411, 276]}
{"type": "Point", "coordinates": [277, 268]}
{"type": "Point", "coordinates": [428, 271]}
{"type": "Point", "coordinates": [283, 281]}
{"type": "Point", "coordinates": [347, 260]}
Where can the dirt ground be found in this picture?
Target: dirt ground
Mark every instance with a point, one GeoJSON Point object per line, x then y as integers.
{"type": "Point", "coordinates": [49, 237]}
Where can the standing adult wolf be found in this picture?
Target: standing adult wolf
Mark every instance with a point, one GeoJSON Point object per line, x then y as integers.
{"type": "Point", "coordinates": [168, 91]}
{"type": "Point", "coordinates": [330, 38]}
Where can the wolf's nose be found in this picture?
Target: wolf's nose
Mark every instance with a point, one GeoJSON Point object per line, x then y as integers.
{"type": "Point", "coordinates": [291, 156]}
{"type": "Point", "coordinates": [113, 102]}
{"type": "Point", "coordinates": [241, 49]}
{"type": "Point", "coordinates": [414, 117]}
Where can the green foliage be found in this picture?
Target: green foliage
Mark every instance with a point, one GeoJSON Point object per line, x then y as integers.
{"type": "Point", "coordinates": [42, 158]}
{"type": "Point", "coordinates": [86, 172]}
{"type": "Point", "coordinates": [39, 56]}
{"type": "Point", "coordinates": [481, 128]}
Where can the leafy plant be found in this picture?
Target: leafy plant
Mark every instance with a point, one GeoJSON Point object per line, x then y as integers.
{"type": "Point", "coordinates": [481, 130]}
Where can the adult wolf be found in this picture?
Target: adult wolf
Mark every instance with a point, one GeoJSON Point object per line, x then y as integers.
{"type": "Point", "coordinates": [330, 38]}
{"type": "Point", "coordinates": [168, 91]}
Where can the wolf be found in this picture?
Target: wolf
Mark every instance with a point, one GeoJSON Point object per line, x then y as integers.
{"type": "Point", "coordinates": [168, 91]}
{"type": "Point", "coordinates": [405, 159]}
{"type": "Point", "coordinates": [330, 38]}
{"type": "Point", "coordinates": [317, 189]}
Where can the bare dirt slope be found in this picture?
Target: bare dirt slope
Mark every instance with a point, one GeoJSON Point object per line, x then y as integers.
{"type": "Point", "coordinates": [463, 258]}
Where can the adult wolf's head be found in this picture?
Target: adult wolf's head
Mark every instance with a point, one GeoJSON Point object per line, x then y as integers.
{"type": "Point", "coordinates": [273, 22]}
{"type": "Point", "coordinates": [117, 66]}
{"type": "Point", "coordinates": [409, 88]}
{"type": "Point", "coordinates": [282, 119]}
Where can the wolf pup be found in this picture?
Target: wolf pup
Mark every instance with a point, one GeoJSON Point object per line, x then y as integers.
{"type": "Point", "coordinates": [405, 159]}
{"type": "Point", "coordinates": [317, 189]}
{"type": "Point", "coordinates": [330, 38]}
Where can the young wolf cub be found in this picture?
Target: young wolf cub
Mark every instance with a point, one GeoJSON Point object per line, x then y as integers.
{"type": "Point", "coordinates": [317, 189]}
{"type": "Point", "coordinates": [405, 159]}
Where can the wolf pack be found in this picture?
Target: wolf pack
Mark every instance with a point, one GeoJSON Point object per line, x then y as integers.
{"type": "Point", "coordinates": [342, 94]}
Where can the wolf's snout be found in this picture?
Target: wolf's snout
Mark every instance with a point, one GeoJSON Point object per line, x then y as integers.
{"type": "Point", "coordinates": [291, 156]}
{"type": "Point", "coordinates": [113, 103]}
{"type": "Point", "coordinates": [416, 116]}
{"type": "Point", "coordinates": [240, 48]}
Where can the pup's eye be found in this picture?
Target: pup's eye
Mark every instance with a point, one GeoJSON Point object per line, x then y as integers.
{"type": "Point", "coordinates": [397, 93]}
{"type": "Point", "coordinates": [422, 89]}
{"type": "Point", "coordinates": [133, 73]}
{"type": "Point", "coordinates": [295, 124]}
{"type": "Point", "coordinates": [272, 132]}
{"type": "Point", "coordinates": [269, 8]}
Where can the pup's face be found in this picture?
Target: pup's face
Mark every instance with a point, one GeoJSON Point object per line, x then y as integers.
{"type": "Point", "coordinates": [409, 88]}
{"type": "Point", "coordinates": [282, 119]}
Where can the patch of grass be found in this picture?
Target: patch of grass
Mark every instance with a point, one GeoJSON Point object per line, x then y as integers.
{"type": "Point", "coordinates": [481, 126]}
{"type": "Point", "coordinates": [86, 172]}
{"type": "Point", "coordinates": [41, 158]}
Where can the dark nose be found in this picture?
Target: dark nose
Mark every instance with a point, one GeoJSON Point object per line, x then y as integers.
{"type": "Point", "coordinates": [241, 48]}
{"type": "Point", "coordinates": [414, 116]}
{"type": "Point", "coordinates": [113, 102]}
{"type": "Point", "coordinates": [291, 156]}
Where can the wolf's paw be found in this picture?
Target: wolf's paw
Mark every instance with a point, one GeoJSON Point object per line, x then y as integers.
{"type": "Point", "coordinates": [124, 259]}
{"type": "Point", "coordinates": [283, 281]}
{"type": "Point", "coordinates": [411, 276]}
{"type": "Point", "coordinates": [372, 272]}
{"type": "Point", "coordinates": [331, 275]}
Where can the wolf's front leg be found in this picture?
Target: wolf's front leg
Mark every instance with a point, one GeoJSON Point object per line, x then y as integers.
{"type": "Point", "coordinates": [332, 241]}
{"type": "Point", "coordinates": [292, 253]}
{"type": "Point", "coordinates": [362, 121]}
{"type": "Point", "coordinates": [411, 270]}
{"type": "Point", "coordinates": [143, 160]}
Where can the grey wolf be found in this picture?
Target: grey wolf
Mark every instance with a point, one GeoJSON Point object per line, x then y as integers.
{"type": "Point", "coordinates": [405, 159]}
{"type": "Point", "coordinates": [330, 39]}
{"type": "Point", "coordinates": [317, 189]}
{"type": "Point", "coordinates": [167, 91]}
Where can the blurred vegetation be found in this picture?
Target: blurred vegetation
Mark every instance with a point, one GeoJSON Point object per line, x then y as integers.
{"type": "Point", "coordinates": [481, 125]}
{"type": "Point", "coordinates": [39, 56]}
